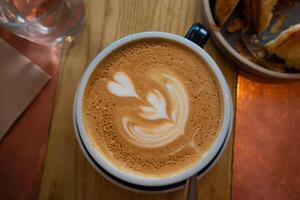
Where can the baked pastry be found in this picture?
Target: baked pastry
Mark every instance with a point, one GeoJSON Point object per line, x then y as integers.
{"type": "Point", "coordinates": [258, 12]}
{"type": "Point", "coordinates": [287, 46]}
{"type": "Point", "coordinates": [265, 9]}
{"type": "Point", "coordinates": [223, 9]}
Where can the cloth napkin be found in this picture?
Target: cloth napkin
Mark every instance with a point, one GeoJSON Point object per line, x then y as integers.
{"type": "Point", "coordinates": [20, 82]}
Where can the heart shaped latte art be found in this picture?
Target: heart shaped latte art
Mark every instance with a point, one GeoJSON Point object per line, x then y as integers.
{"type": "Point", "coordinates": [153, 108]}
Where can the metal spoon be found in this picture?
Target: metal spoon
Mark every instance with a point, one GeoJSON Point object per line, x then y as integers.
{"type": "Point", "coordinates": [191, 189]}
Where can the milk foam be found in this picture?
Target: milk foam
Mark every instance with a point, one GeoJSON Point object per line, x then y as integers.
{"type": "Point", "coordinates": [141, 133]}
{"type": "Point", "coordinates": [122, 86]}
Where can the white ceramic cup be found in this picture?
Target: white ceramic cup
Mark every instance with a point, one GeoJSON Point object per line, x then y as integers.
{"type": "Point", "coordinates": [137, 179]}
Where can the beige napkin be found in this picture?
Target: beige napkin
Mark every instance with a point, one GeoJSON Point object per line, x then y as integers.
{"type": "Point", "coordinates": [20, 82]}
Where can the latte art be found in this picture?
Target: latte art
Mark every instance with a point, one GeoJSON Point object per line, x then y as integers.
{"type": "Point", "coordinates": [152, 108]}
{"type": "Point", "coordinates": [143, 133]}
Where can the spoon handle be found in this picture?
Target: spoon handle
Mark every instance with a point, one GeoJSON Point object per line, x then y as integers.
{"type": "Point", "coordinates": [191, 189]}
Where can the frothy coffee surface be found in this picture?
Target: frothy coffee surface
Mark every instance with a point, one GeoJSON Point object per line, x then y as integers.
{"type": "Point", "coordinates": [153, 108]}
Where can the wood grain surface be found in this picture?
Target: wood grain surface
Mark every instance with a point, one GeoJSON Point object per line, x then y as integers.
{"type": "Point", "coordinates": [67, 174]}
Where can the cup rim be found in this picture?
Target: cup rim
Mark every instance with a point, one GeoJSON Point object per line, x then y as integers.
{"type": "Point", "coordinates": [126, 175]}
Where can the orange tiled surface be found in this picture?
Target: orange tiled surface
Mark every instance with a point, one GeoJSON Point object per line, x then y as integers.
{"type": "Point", "coordinates": [22, 150]}
{"type": "Point", "coordinates": [267, 140]}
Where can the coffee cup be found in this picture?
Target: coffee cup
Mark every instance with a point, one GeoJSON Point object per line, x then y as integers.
{"type": "Point", "coordinates": [135, 180]}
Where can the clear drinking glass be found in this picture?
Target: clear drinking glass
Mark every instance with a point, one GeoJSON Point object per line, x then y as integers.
{"type": "Point", "coordinates": [43, 21]}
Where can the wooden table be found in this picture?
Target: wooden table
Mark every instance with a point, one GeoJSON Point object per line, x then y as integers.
{"type": "Point", "coordinates": [67, 174]}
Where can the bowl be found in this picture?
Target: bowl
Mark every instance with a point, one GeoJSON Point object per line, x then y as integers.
{"type": "Point", "coordinates": [226, 45]}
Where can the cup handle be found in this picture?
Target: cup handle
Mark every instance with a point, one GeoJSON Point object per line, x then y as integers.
{"type": "Point", "coordinates": [198, 34]}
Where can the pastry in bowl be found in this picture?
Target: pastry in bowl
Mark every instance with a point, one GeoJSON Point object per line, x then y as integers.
{"type": "Point", "coordinates": [254, 24]}
{"type": "Point", "coordinates": [262, 13]}
{"type": "Point", "coordinates": [287, 46]}
{"type": "Point", "coordinates": [223, 9]}
{"type": "Point", "coordinates": [257, 12]}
